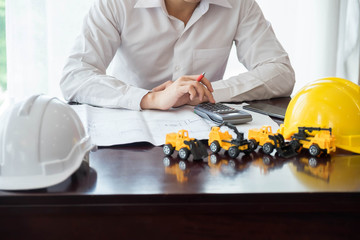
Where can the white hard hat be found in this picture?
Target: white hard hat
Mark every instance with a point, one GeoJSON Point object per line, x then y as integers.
{"type": "Point", "coordinates": [42, 143]}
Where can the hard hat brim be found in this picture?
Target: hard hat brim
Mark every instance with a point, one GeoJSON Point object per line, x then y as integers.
{"type": "Point", "coordinates": [30, 182]}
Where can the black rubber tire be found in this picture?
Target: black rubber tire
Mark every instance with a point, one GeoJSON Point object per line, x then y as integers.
{"type": "Point", "coordinates": [268, 148]}
{"type": "Point", "coordinates": [233, 152]}
{"type": "Point", "coordinates": [314, 150]}
{"type": "Point", "coordinates": [168, 149]}
{"type": "Point", "coordinates": [215, 147]}
{"type": "Point", "coordinates": [184, 153]}
{"type": "Point", "coordinates": [253, 144]}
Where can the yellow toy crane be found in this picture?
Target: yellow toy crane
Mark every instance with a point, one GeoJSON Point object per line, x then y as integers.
{"type": "Point", "coordinates": [315, 139]}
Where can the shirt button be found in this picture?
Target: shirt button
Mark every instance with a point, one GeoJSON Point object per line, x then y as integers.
{"type": "Point", "coordinates": [177, 68]}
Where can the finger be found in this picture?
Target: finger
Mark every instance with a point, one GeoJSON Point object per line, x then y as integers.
{"type": "Point", "coordinates": [187, 85]}
{"type": "Point", "coordinates": [195, 89]}
{"type": "Point", "coordinates": [162, 86]}
{"type": "Point", "coordinates": [204, 81]}
{"type": "Point", "coordinates": [207, 83]}
{"type": "Point", "coordinates": [165, 85]}
{"type": "Point", "coordinates": [209, 96]}
{"type": "Point", "coordinates": [200, 89]}
{"type": "Point", "coordinates": [192, 92]}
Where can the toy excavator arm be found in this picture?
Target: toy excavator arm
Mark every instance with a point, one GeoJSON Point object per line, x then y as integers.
{"type": "Point", "coordinates": [239, 135]}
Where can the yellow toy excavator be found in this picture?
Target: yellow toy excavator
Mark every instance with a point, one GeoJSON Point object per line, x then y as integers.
{"type": "Point", "coordinates": [219, 139]}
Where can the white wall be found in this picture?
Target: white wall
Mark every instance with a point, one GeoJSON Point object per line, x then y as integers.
{"type": "Point", "coordinates": [309, 32]}
{"type": "Point", "coordinates": [39, 36]}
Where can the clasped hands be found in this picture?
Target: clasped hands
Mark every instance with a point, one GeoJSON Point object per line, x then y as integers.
{"type": "Point", "coordinates": [185, 90]}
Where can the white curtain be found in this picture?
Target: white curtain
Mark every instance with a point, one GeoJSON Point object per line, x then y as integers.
{"type": "Point", "coordinates": [321, 37]}
{"type": "Point", "coordinates": [348, 55]}
{"type": "Point", "coordinates": [39, 35]}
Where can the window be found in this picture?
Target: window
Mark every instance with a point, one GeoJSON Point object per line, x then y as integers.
{"type": "Point", "coordinates": [2, 51]}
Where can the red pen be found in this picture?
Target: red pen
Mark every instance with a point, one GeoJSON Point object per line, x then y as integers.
{"type": "Point", "coordinates": [200, 77]}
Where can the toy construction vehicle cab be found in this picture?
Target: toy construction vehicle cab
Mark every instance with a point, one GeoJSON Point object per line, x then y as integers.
{"type": "Point", "coordinates": [260, 136]}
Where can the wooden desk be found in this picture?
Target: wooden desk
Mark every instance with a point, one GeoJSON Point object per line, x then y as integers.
{"type": "Point", "coordinates": [134, 192]}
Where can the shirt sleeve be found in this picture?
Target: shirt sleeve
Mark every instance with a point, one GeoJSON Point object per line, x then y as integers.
{"type": "Point", "coordinates": [84, 77]}
{"type": "Point", "coordinates": [270, 73]}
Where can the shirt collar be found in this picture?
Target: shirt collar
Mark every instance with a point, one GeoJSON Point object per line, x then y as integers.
{"type": "Point", "coordinates": [159, 3]}
{"type": "Point", "coordinates": [222, 3]}
{"type": "Point", "coordinates": [148, 3]}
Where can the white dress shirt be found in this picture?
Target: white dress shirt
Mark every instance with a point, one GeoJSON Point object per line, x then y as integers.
{"type": "Point", "coordinates": [146, 47]}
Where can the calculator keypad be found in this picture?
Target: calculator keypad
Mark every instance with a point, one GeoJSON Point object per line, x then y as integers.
{"type": "Point", "coordinates": [218, 108]}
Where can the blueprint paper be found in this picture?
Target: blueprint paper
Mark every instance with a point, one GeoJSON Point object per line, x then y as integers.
{"type": "Point", "coordinates": [108, 127]}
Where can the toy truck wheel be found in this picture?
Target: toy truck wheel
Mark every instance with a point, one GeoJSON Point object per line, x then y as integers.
{"type": "Point", "coordinates": [268, 148]}
{"type": "Point", "coordinates": [249, 149]}
{"type": "Point", "coordinates": [184, 153]}
{"type": "Point", "coordinates": [314, 150]}
{"type": "Point", "coordinates": [253, 144]}
{"type": "Point", "coordinates": [295, 144]}
{"type": "Point", "coordinates": [168, 149]}
{"type": "Point", "coordinates": [215, 146]}
{"type": "Point", "coordinates": [233, 152]}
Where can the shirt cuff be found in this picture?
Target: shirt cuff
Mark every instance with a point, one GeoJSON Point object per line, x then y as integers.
{"type": "Point", "coordinates": [221, 92]}
{"type": "Point", "coordinates": [133, 98]}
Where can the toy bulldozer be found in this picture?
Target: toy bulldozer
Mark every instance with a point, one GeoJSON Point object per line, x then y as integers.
{"type": "Point", "coordinates": [185, 145]}
{"type": "Point", "coordinates": [283, 148]}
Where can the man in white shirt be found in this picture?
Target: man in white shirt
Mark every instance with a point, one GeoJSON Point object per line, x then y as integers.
{"type": "Point", "coordinates": [158, 48]}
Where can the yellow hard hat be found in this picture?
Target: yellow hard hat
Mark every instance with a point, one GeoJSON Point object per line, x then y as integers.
{"type": "Point", "coordinates": [328, 102]}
